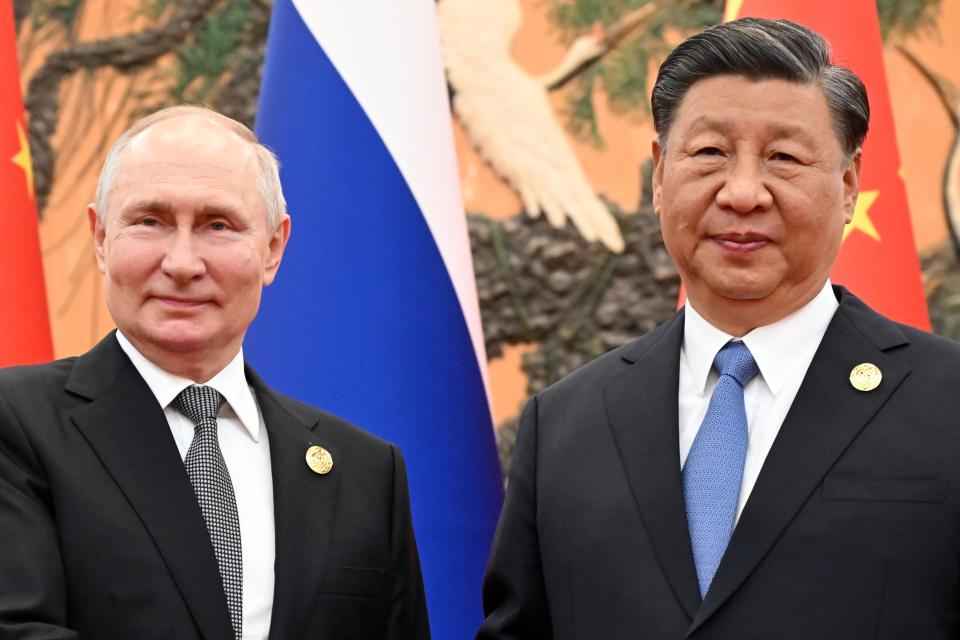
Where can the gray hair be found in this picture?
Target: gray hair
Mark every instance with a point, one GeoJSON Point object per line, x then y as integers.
{"type": "Point", "coordinates": [763, 49]}
{"type": "Point", "coordinates": [269, 183]}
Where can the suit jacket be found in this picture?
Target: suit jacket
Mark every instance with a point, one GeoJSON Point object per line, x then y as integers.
{"type": "Point", "coordinates": [851, 531]}
{"type": "Point", "coordinates": [101, 535]}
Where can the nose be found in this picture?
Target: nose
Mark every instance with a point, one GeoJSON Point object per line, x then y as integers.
{"type": "Point", "coordinates": [182, 260]}
{"type": "Point", "coordinates": [744, 190]}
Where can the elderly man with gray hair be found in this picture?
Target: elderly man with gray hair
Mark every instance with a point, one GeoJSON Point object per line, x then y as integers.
{"type": "Point", "coordinates": [155, 487]}
{"type": "Point", "coordinates": [777, 460]}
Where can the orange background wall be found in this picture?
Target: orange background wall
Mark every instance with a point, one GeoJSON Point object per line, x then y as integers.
{"type": "Point", "coordinates": [95, 113]}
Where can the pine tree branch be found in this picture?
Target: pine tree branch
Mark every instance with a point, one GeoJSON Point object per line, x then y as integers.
{"type": "Point", "coordinates": [949, 97]}
{"type": "Point", "coordinates": [946, 91]}
{"type": "Point", "coordinates": [124, 53]}
{"type": "Point", "coordinates": [588, 49]}
{"type": "Point", "coordinates": [21, 9]}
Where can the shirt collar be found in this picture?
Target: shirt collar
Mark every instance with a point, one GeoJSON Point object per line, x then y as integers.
{"type": "Point", "coordinates": [231, 382]}
{"type": "Point", "coordinates": [778, 348]}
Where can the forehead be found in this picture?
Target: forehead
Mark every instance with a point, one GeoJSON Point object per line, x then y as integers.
{"type": "Point", "coordinates": [190, 156]}
{"type": "Point", "coordinates": [736, 105]}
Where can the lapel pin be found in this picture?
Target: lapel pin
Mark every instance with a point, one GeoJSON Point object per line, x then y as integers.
{"type": "Point", "coordinates": [319, 460]}
{"type": "Point", "coordinates": [865, 377]}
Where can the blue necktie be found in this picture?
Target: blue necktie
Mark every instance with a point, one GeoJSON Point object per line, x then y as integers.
{"type": "Point", "coordinates": [714, 467]}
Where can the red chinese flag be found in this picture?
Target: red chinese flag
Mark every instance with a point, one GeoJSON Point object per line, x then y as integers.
{"type": "Point", "coordinates": [878, 259]}
{"type": "Point", "coordinates": [24, 323]}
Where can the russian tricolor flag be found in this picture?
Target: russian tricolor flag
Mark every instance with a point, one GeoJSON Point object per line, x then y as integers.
{"type": "Point", "coordinates": [374, 314]}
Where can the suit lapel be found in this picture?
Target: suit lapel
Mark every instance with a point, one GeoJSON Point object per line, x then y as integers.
{"type": "Point", "coordinates": [127, 429]}
{"type": "Point", "coordinates": [304, 508]}
{"type": "Point", "coordinates": [642, 410]}
{"type": "Point", "coordinates": [825, 417]}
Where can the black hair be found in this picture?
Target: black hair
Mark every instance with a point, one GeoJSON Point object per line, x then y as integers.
{"type": "Point", "coordinates": [761, 49]}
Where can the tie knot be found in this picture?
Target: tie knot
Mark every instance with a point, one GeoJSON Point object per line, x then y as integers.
{"type": "Point", "coordinates": [199, 403]}
{"type": "Point", "coordinates": [736, 361]}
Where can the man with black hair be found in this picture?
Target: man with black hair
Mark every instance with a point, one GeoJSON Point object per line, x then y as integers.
{"type": "Point", "coordinates": [776, 461]}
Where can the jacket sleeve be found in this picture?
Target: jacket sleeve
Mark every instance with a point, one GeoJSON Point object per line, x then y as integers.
{"type": "Point", "coordinates": [514, 592]}
{"type": "Point", "coordinates": [32, 585]}
{"type": "Point", "coordinates": [408, 605]}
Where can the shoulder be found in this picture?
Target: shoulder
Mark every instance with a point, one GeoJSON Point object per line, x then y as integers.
{"type": "Point", "coordinates": [581, 391]}
{"type": "Point", "coordinates": [311, 414]}
{"type": "Point", "coordinates": [369, 466]}
{"type": "Point", "coordinates": [325, 426]}
{"type": "Point", "coordinates": [32, 398]}
{"type": "Point", "coordinates": [927, 340]}
{"type": "Point", "coordinates": [930, 363]}
{"type": "Point", "coordinates": [37, 373]}
{"type": "Point", "coordinates": [31, 381]}
{"type": "Point", "coordinates": [920, 347]}
{"type": "Point", "coordinates": [930, 352]}
{"type": "Point", "coordinates": [595, 374]}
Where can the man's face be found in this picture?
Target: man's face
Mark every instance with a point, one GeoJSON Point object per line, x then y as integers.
{"type": "Point", "coordinates": [753, 190]}
{"type": "Point", "coordinates": [185, 248]}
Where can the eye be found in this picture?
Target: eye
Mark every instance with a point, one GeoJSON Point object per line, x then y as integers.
{"type": "Point", "coordinates": [219, 225]}
{"type": "Point", "coordinates": [780, 156]}
{"type": "Point", "coordinates": [708, 151]}
{"type": "Point", "coordinates": [148, 221]}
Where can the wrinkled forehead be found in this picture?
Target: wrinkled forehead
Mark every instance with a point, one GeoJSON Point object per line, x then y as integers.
{"type": "Point", "coordinates": [199, 156]}
{"type": "Point", "coordinates": [781, 108]}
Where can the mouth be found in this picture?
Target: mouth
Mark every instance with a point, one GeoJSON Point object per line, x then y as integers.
{"type": "Point", "coordinates": [181, 302]}
{"type": "Point", "coordinates": [741, 242]}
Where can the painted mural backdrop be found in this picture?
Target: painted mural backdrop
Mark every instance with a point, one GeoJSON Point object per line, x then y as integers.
{"type": "Point", "coordinates": [553, 138]}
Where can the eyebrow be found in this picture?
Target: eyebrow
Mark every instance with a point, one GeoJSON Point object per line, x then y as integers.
{"type": "Point", "coordinates": [217, 211]}
{"type": "Point", "coordinates": [149, 206]}
{"type": "Point", "coordinates": [164, 207]}
{"type": "Point", "coordinates": [779, 130]}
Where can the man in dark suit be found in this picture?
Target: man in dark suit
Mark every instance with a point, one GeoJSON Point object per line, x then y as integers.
{"type": "Point", "coordinates": [776, 461]}
{"type": "Point", "coordinates": [155, 487]}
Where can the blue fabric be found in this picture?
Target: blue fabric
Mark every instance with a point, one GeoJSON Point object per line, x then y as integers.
{"type": "Point", "coordinates": [714, 467]}
{"type": "Point", "coordinates": [363, 319]}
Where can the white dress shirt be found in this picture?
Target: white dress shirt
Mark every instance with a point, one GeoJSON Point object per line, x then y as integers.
{"type": "Point", "coordinates": [783, 351]}
{"type": "Point", "coordinates": [246, 451]}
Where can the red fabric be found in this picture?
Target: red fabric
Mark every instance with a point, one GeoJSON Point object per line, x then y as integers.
{"type": "Point", "coordinates": [885, 272]}
{"type": "Point", "coordinates": [24, 323]}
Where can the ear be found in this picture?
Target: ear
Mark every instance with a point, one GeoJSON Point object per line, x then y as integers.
{"type": "Point", "coordinates": [657, 178]}
{"type": "Point", "coordinates": [275, 247]}
{"type": "Point", "coordinates": [851, 186]}
{"type": "Point", "coordinates": [99, 232]}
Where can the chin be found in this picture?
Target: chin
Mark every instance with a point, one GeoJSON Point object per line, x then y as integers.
{"type": "Point", "coordinates": [741, 291]}
{"type": "Point", "coordinates": [180, 340]}
{"type": "Point", "coordinates": [753, 281]}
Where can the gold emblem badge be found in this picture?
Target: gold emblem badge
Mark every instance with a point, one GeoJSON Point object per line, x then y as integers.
{"type": "Point", "coordinates": [319, 460]}
{"type": "Point", "coordinates": [865, 377]}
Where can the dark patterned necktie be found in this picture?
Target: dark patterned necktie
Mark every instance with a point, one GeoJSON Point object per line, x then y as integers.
{"type": "Point", "coordinates": [211, 482]}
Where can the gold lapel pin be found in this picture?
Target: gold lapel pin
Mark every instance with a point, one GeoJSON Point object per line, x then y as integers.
{"type": "Point", "coordinates": [865, 377]}
{"type": "Point", "coordinates": [319, 460]}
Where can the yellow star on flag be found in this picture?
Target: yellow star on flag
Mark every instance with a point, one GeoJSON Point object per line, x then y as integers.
{"type": "Point", "coordinates": [861, 217]}
{"type": "Point", "coordinates": [23, 160]}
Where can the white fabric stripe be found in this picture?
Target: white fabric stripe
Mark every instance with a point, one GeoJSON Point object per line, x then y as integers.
{"type": "Point", "coordinates": [388, 53]}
